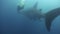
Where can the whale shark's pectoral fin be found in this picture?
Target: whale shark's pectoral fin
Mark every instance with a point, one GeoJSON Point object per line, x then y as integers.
{"type": "Point", "coordinates": [50, 16]}
{"type": "Point", "coordinates": [19, 8]}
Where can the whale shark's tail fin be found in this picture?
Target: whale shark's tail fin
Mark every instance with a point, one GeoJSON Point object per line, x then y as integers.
{"type": "Point", "coordinates": [50, 16]}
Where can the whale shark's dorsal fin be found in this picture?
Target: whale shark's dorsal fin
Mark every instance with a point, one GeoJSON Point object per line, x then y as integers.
{"type": "Point", "coordinates": [35, 5]}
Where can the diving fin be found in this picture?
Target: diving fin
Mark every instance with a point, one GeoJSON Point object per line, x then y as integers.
{"type": "Point", "coordinates": [50, 16]}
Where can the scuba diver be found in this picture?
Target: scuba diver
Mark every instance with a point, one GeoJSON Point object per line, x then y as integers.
{"type": "Point", "coordinates": [20, 5]}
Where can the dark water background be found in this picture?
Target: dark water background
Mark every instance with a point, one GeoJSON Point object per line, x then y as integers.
{"type": "Point", "coordinates": [13, 23]}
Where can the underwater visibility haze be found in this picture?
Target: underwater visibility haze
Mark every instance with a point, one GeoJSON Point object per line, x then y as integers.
{"type": "Point", "coordinates": [13, 22]}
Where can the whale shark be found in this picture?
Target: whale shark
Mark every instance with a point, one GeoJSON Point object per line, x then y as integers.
{"type": "Point", "coordinates": [35, 14]}
{"type": "Point", "coordinates": [32, 13]}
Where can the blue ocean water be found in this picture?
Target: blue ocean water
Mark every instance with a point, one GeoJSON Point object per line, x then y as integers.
{"type": "Point", "coordinates": [13, 23]}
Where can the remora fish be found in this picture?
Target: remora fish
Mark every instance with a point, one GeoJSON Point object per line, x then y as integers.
{"type": "Point", "coordinates": [20, 5]}
{"type": "Point", "coordinates": [34, 13]}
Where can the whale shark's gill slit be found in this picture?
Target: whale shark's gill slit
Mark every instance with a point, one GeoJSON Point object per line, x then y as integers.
{"type": "Point", "coordinates": [50, 16]}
